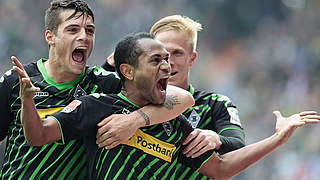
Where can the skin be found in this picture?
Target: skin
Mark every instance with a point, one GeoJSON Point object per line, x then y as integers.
{"type": "Point", "coordinates": [72, 34]}
{"type": "Point", "coordinates": [182, 58]}
{"type": "Point", "coordinates": [153, 65]}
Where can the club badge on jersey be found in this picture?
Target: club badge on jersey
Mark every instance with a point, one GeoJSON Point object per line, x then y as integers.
{"type": "Point", "coordinates": [234, 116]}
{"type": "Point", "coordinates": [167, 127]}
{"type": "Point", "coordinates": [194, 119]}
{"type": "Point", "coordinates": [79, 92]}
{"type": "Point", "coordinates": [125, 111]}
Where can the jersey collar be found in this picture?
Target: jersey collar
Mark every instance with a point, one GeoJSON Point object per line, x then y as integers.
{"type": "Point", "coordinates": [59, 86]}
{"type": "Point", "coordinates": [126, 99]}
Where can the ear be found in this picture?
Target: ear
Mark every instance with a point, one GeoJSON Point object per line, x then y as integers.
{"type": "Point", "coordinates": [127, 71]}
{"type": "Point", "coordinates": [193, 58]}
{"type": "Point", "coordinates": [49, 37]}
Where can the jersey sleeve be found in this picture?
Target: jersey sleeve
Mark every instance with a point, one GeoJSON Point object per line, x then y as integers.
{"type": "Point", "coordinates": [227, 124]}
{"type": "Point", "coordinates": [106, 66]}
{"type": "Point", "coordinates": [109, 82]}
{"type": "Point", "coordinates": [4, 107]}
{"type": "Point", "coordinates": [194, 163]}
{"type": "Point", "coordinates": [81, 116]}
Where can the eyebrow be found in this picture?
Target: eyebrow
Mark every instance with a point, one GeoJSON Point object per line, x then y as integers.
{"type": "Point", "coordinates": [77, 25]}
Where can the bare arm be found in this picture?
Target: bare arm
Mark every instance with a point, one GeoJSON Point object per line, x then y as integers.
{"type": "Point", "coordinates": [118, 128]}
{"type": "Point", "coordinates": [37, 131]}
{"type": "Point", "coordinates": [230, 164]}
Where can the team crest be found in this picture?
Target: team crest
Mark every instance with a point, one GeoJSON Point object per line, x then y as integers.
{"type": "Point", "coordinates": [72, 106]}
{"type": "Point", "coordinates": [125, 111]}
{"type": "Point", "coordinates": [194, 119]}
{"type": "Point", "coordinates": [167, 127]}
{"type": "Point", "coordinates": [234, 116]}
{"type": "Point", "coordinates": [79, 92]}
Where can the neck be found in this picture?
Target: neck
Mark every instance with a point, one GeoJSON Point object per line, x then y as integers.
{"type": "Point", "coordinates": [57, 72]}
{"type": "Point", "coordinates": [134, 97]}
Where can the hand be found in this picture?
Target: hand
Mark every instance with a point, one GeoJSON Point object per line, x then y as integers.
{"type": "Point", "coordinates": [27, 89]}
{"type": "Point", "coordinates": [110, 59]}
{"type": "Point", "coordinates": [286, 126]}
{"type": "Point", "coordinates": [201, 141]}
{"type": "Point", "coordinates": [117, 129]}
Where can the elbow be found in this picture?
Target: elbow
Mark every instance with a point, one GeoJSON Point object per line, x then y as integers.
{"type": "Point", "coordinates": [38, 140]}
{"type": "Point", "coordinates": [189, 99]}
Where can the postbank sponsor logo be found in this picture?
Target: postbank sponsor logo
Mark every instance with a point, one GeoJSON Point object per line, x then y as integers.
{"type": "Point", "coordinates": [152, 145]}
{"type": "Point", "coordinates": [43, 113]}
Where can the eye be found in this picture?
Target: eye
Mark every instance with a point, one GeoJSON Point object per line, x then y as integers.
{"type": "Point", "coordinates": [72, 30]}
{"type": "Point", "coordinates": [90, 31]}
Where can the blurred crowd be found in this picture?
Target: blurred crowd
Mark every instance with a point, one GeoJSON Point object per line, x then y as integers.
{"type": "Point", "coordinates": [264, 55]}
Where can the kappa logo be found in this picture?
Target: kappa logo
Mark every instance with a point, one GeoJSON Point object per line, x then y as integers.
{"type": "Point", "coordinates": [41, 94]}
{"type": "Point", "coordinates": [72, 106]}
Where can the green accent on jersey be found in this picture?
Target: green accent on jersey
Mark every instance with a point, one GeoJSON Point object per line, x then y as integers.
{"type": "Point", "coordinates": [160, 169]}
{"type": "Point", "coordinates": [147, 168]}
{"type": "Point", "coordinates": [173, 177]}
{"type": "Point", "coordinates": [184, 173]}
{"type": "Point", "coordinates": [126, 99]}
{"type": "Point", "coordinates": [95, 87]}
{"type": "Point", "coordinates": [48, 79]}
{"type": "Point", "coordinates": [169, 169]}
{"type": "Point", "coordinates": [204, 124]}
{"type": "Point", "coordinates": [105, 155]}
{"type": "Point", "coordinates": [113, 161]}
{"type": "Point", "coordinates": [191, 89]}
{"type": "Point", "coordinates": [136, 164]}
{"type": "Point", "coordinates": [219, 97]}
{"type": "Point", "coordinates": [232, 129]}
{"type": "Point", "coordinates": [124, 164]}
{"type": "Point", "coordinates": [97, 70]}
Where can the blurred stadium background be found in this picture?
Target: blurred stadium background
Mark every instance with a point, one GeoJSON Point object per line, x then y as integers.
{"type": "Point", "coordinates": [263, 54]}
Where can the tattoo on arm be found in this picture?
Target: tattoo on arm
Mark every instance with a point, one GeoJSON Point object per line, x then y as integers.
{"type": "Point", "coordinates": [171, 101]}
{"type": "Point", "coordinates": [145, 117]}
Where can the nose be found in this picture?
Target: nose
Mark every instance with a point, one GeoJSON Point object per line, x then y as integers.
{"type": "Point", "coordinates": [165, 66]}
{"type": "Point", "coordinates": [83, 36]}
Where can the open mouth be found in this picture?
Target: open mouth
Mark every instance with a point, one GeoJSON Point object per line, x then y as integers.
{"type": "Point", "coordinates": [162, 84]}
{"type": "Point", "coordinates": [78, 55]}
{"type": "Point", "coordinates": [173, 73]}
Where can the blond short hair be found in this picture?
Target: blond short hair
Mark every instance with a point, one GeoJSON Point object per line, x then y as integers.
{"type": "Point", "coordinates": [178, 23]}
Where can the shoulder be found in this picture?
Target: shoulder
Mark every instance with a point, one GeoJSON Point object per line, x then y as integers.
{"type": "Point", "coordinates": [11, 77]}
{"type": "Point", "coordinates": [202, 95]}
{"type": "Point", "coordinates": [99, 72]}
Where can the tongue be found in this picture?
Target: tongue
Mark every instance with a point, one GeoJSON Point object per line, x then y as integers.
{"type": "Point", "coordinates": [77, 56]}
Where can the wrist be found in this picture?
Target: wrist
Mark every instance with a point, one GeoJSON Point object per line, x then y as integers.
{"type": "Point", "coordinates": [144, 119]}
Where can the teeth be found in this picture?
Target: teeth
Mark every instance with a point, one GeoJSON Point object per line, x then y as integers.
{"type": "Point", "coordinates": [81, 48]}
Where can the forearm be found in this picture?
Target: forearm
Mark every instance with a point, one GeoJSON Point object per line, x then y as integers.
{"type": "Point", "coordinates": [234, 162]}
{"type": "Point", "coordinates": [32, 123]}
{"type": "Point", "coordinates": [177, 101]}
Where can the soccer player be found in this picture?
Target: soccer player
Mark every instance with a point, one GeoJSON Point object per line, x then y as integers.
{"type": "Point", "coordinates": [70, 33]}
{"type": "Point", "coordinates": [215, 116]}
{"type": "Point", "coordinates": [142, 63]}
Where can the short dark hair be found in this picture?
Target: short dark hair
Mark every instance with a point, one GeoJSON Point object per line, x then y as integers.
{"type": "Point", "coordinates": [52, 18]}
{"type": "Point", "coordinates": [128, 51]}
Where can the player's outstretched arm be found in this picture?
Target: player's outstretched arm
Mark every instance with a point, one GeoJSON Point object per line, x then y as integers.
{"type": "Point", "coordinates": [36, 130]}
{"type": "Point", "coordinates": [227, 165]}
{"type": "Point", "coordinates": [118, 128]}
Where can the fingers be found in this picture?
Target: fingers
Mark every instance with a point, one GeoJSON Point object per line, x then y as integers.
{"type": "Point", "coordinates": [305, 113]}
{"type": "Point", "coordinates": [191, 136]}
{"type": "Point", "coordinates": [195, 151]}
{"type": "Point", "coordinates": [277, 114]}
{"type": "Point", "coordinates": [109, 143]}
{"type": "Point", "coordinates": [106, 120]}
{"type": "Point", "coordinates": [16, 62]}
